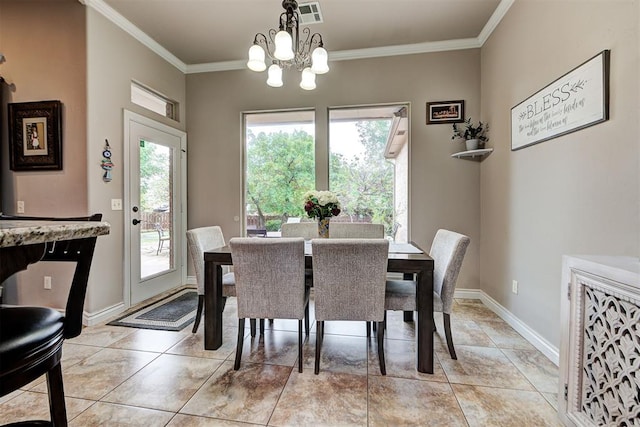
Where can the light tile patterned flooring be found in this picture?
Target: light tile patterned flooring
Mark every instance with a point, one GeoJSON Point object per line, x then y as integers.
{"type": "Point", "coordinates": [116, 376]}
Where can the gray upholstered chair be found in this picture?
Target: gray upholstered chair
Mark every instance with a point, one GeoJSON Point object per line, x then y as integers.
{"type": "Point", "coordinates": [447, 250]}
{"type": "Point", "coordinates": [349, 277]}
{"type": "Point", "coordinates": [200, 240]}
{"type": "Point", "coordinates": [338, 230]}
{"type": "Point", "coordinates": [270, 284]}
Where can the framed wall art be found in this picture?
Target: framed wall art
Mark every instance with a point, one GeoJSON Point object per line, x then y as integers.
{"type": "Point", "coordinates": [445, 112]}
{"type": "Point", "coordinates": [577, 100]}
{"type": "Point", "coordinates": [35, 136]}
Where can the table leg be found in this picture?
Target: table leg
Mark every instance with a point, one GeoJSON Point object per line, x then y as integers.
{"type": "Point", "coordinates": [213, 305]}
{"type": "Point", "coordinates": [424, 303]}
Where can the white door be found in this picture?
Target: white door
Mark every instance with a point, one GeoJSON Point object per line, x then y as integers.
{"type": "Point", "coordinates": [155, 203]}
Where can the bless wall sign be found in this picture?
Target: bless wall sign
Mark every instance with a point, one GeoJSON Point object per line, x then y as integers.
{"type": "Point", "coordinates": [577, 100]}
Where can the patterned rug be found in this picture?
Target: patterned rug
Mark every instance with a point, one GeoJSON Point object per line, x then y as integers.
{"type": "Point", "coordinates": [171, 313]}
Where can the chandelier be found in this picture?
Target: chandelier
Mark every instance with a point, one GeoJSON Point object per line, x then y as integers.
{"type": "Point", "coordinates": [287, 48]}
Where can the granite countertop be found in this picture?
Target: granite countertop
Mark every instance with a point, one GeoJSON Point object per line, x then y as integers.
{"type": "Point", "coordinates": [25, 232]}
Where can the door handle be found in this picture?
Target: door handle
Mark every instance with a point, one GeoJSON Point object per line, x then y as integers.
{"type": "Point", "coordinates": [136, 221]}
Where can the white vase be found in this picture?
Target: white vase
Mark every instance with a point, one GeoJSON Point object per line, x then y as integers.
{"type": "Point", "coordinates": [472, 144]}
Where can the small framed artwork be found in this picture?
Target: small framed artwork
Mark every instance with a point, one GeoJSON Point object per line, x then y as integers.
{"type": "Point", "coordinates": [445, 112]}
{"type": "Point", "coordinates": [35, 136]}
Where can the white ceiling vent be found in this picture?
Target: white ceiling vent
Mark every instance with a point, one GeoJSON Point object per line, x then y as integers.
{"type": "Point", "coordinates": [310, 13]}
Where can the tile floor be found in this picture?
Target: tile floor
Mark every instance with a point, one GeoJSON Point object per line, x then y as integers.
{"type": "Point", "coordinates": [116, 376]}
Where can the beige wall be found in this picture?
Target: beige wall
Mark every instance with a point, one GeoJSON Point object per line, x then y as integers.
{"type": "Point", "coordinates": [444, 191]}
{"type": "Point", "coordinates": [44, 45]}
{"type": "Point", "coordinates": [576, 194]}
{"type": "Point", "coordinates": [114, 59]}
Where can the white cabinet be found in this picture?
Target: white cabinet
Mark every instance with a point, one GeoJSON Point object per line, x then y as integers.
{"type": "Point", "coordinates": [600, 343]}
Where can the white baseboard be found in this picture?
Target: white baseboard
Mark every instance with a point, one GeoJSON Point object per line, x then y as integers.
{"type": "Point", "coordinates": [91, 319]}
{"type": "Point", "coordinates": [522, 328]}
{"type": "Point", "coordinates": [191, 280]}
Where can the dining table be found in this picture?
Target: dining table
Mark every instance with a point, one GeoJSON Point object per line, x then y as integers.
{"type": "Point", "coordinates": [406, 258]}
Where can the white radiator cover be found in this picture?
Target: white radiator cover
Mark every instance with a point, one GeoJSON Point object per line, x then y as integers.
{"type": "Point", "coordinates": [600, 343]}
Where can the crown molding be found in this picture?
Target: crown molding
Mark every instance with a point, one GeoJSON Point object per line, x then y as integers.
{"type": "Point", "coordinates": [494, 20]}
{"type": "Point", "coordinates": [112, 15]}
{"type": "Point", "coordinates": [345, 55]}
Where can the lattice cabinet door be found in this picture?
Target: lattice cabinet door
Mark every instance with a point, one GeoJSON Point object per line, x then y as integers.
{"type": "Point", "coordinates": [600, 348]}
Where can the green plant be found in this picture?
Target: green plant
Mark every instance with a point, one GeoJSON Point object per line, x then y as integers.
{"type": "Point", "coordinates": [273, 224]}
{"type": "Point", "coordinates": [469, 131]}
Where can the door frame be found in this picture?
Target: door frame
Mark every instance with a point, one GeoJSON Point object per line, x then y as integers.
{"type": "Point", "coordinates": [181, 259]}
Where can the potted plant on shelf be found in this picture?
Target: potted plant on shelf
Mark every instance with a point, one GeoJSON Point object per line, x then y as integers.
{"type": "Point", "coordinates": [474, 136]}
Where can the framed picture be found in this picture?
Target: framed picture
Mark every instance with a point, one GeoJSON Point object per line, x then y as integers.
{"type": "Point", "coordinates": [577, 100]}
{"type": "Point", "coordinates": [445, 112]}
{"type": "Point", "coordinates": [35, 136]}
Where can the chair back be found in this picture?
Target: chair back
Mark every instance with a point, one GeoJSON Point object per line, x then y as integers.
{"type": "Point", "coordinates": [447, 250]}
{"type": "Point", "coordinates": [356, 230]}
{"type": "Point", "coordinates": [349, 278]}
{"type": "Point", "coordinates": [200, 240]}
{"type": "Point", "coordinates": [269, 277]}
{"type": "Point", "coordinates": [79, 251]}
{"type": "Point", "coordinates": [306, 230]}
{"type": "Point", "coordinates": [337, 230]}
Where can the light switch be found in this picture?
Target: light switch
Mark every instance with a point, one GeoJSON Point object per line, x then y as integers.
{"type": "Point", "coordinates": [20, 206]}
{"type": "Point", "coordinates": [116, 204]}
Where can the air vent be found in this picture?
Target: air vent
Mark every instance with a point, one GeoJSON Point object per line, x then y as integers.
{"type": "Point", "coordinates": [310, 13]}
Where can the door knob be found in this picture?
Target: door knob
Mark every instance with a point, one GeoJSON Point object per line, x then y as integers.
{"type": "Point", "coordinates": [135, 209]}
{"type": "Point", "coordinates": [136, 221]}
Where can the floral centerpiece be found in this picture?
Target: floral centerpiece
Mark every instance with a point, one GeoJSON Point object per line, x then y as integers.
{"type": "Point", "coordinates": [469, 132]}
{"type": "Point", "coordinates": [321, 205]}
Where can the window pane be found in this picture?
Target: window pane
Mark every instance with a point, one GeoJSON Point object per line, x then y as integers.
{"type": "Point", "coordinates": [279, 168]}
{"type": "Point", "coordinates": [368, 166]}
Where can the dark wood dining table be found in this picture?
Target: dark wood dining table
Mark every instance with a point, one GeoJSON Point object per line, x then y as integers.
{"type": "Point", "coordinates": [417, 265]}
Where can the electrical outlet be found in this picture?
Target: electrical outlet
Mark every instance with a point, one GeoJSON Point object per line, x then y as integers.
{"type": "Point", "coordinates": [47, 282]}
{"type": "Point", "coordinates": [20, 206]}
{"type": "Point", "coordinates": [514, 287]}
{"type": "Point", "coordinates": [116, 204]}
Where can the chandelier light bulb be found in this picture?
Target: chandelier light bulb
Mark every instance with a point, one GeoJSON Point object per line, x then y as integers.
{"type": "Point", "coordinates": [284, 43]}
{"type": "Point", "coordinates": [308, 81]}
{"type": "Point", "coordinates": [275, 76]}
{"type": "Point", "coordinates": [256, 59]}
{"type": "Point", "coordinates": [319, 59]}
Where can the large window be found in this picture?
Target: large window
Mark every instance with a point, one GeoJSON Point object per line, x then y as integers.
{"type": "Point", "coordinates": [367, 158]}
{"type": "Point", "coordinates": [279, 168]}
{"type": "Point", "coordinates": [368, 167]}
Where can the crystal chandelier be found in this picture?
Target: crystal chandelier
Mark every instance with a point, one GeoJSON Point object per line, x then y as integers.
{"type": "Point", "coordinates": [286, 49]}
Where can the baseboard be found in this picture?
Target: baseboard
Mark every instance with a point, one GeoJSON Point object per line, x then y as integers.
{"type": "Point", "coordinates": [191, 280]}
{"type": "Point", "coordinates": [544, 346]}
{"type": "Point", "coordinates": [92, 319]}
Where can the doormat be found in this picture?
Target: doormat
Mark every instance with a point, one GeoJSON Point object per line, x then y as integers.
{"type": "Point", "coordinates": [171, 313]}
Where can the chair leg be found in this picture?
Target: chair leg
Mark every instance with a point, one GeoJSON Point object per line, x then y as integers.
{"type": "Point", "coordinates": [300, 345]}
{"type": "Point", "coordinates": [306, 320]}
{"type": "Point", "coordinates": [261, 326]}
{"type": "Point", "coordinates": [408, 316]}
{"type": "Point", "coordinates": [198, 314]}
{"type": "Point", "coordinates": [319, 336]}
{"type": "Point", "coordinates": [447, 333]}
{"type": "Point", "coordinates": [236, 365]}
{"type": "Point", "coordinates": [369, 328]}
{"type": "Point", "coordinates": [57, 406]}
{"type": "Point", "coordinates": [380, 334]}
{"type": "Point", "coordinates": [252, 323]}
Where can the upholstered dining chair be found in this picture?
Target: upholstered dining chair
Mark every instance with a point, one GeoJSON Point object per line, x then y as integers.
{"type": "Point", "coordinates": [338, 230]}
{"type": "Point", "coordinates": [447, 250]}
{"type": "Point", "coordinates": [349, 277]}
{"type": "Point", "coordinates": [200, 240]}
{"type": "Point", "coordinates": [31, 338]}
{"type": "Point", "coordinates": [270, 284]}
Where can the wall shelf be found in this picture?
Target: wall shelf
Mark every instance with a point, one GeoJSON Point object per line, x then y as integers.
{"type": "Point", "coordinates": [473, 154]}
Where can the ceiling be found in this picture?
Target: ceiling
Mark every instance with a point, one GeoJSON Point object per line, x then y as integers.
{"type": "Point", "coordinates": [214, 35]}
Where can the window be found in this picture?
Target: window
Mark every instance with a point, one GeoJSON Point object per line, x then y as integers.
{"type": "Point", "coordinates": [368, 165]}
{"type": "Point", "coordinates": [279, 168]}
{"type": "Point", "coordinates": [153, 101]}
